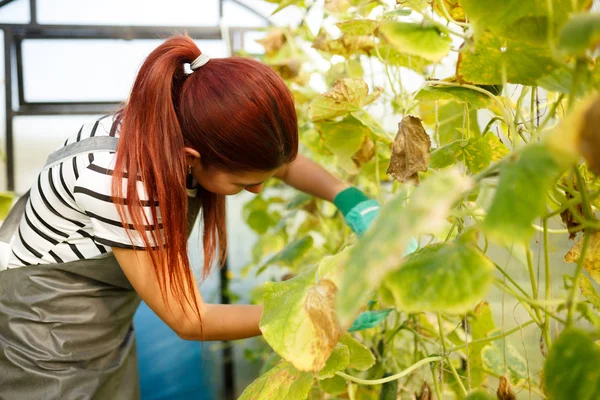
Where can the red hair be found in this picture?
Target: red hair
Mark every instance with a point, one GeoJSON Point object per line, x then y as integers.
{"type": "Point", "coordinates": [236, 112]}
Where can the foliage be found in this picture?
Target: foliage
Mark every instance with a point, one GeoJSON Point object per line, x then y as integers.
{"type": "Point", "coordinates": [500, 141]}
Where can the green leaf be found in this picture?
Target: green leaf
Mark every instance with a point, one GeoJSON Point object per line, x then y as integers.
{"type": "Point", "coordinates": [571, 370]}
{"type": "Point", "coordinates": [281, 382]}
{"type": "Point", "coordinates": [369, 319]}
{"type": "Point", "coordinates": [446, 155]}
{"type": "Point", "coordinates": [588, 291]}
{"type": "Point", "coordinates": [334, 386]}
{"type": "Point", "coordinates": [450, 116]}
{"type": "Point", "coordinates": [361, 358]}
{"type": "Point", "coordinates": [480, 394]}
{"type": "Point", "coordinates": [347, 95]}
{"type": "Point", "coordinates": [360, 27]}
{"type": "Point", "coordinates": [338, 360]}
{"type": "Point", "coordinates": [299, 320]}
{"type": "Point", "coordinates": [447, 278]}
{"type": "Point", "coordinates": [521, 194]}
{"type": "Point", "coordinates": [475, 153]}
{"type": "Point", "coordinates": [6, 200]}
{"type": "Point", "coordinates": [581, 32]}
{"type": "Point", "coordinates": [291, 253]}
{"type": "Point", "coordinates": [474, 98]}
{"type": "Point", "coordinates": [524, 63]}
{"type": "Point", "coordinates": [523, 19]}
{"type": "Point", "coordinates": [390, 55]}
{"type": "Point", "coordinates": [344, 139]}
{"type": "Point", "coordinates": [381, 249]}
{"type": "Point", "coordinates": [416, 39]}
{"type": "Point", "coordinates": [398, 12]}
{"type": "Point", "coordinates": [481, 324]}
{"type": "Point", "coordinates": [389, 390]}
{"type": "Point", "coordinates": [493, 356]}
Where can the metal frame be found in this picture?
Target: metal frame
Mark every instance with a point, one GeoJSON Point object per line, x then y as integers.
{"type": "Point", "coordinates": [15, 34]}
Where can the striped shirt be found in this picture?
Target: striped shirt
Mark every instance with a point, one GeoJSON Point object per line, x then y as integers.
{"type": "Point", "coordinates": [70, 215]}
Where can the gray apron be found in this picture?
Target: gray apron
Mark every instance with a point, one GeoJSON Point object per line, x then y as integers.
{"type": "Point", "coordinates": [66, 330]}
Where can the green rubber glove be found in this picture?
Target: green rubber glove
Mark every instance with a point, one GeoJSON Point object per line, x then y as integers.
{"type": "Point", "coordinates": [359, 211]}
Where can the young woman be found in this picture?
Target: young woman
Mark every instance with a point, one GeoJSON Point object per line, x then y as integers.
{"type": "Point", "coordinates": [107, 222]}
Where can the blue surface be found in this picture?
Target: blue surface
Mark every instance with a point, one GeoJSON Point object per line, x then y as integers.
{"type": "Point", "coordinates": [169, 367]}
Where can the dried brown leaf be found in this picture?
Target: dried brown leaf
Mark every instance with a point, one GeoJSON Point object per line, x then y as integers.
{"type": "Point", "coordinates": [589, 137]}
{"type": "Point", "coordinates": [273, 41]}
{"type": "Point", "coordinates": [425, 392]}
{"type": "Point", "coordinates": [569, 220]}
{"type": "Point", "coordinates": [410, 151]}
{"type": "Point", "coordinates": [320, 307]}
{"type": "Point", "coordinates": [366, 152]}
{"type": "Point", "coordinates": [591, 263]}
{"type": "Point", "coordinates": [287, 69]}
{"type": "Point", "coordinates": [505, 391]}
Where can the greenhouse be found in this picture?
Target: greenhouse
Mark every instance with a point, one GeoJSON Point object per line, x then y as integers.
{"type": "Point", "coordinates": [333, 199]}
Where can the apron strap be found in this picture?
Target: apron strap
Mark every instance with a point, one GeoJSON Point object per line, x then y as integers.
{"type": "Point", "coordinates": [88, 145]}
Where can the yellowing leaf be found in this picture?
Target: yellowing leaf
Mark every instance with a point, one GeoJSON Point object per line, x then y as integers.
{"type": "Point", "coordinates": [499, 149]}
{"type": "Point", "coordinates": [299, 320]}
{"type": "Point", "coordinates": [447, 277]}
{"type": "Point", "coordinates": [410, 151]}
{"type": "Point", "coordinates": [347, 95]}
{"type": "Point", "coordinates": [474, 98]}
{"type": "Point", "coordinates": [416, 39]}
{"type": "Point", "coordinates": [588, 291]}
{"type": "Point", "coordinates": [452, 7]}
{"type": "Point", "coordinates": [390, 55]}
{"type": "Point", "coordinates": [337, 6]}
{"type": "Point", "coordinates": [359, 27]}
{"type": "Point", "coordinates": [337, 361]}
{"type": "Point", "coordinates": [591, 263]}
{"type": "Point", "coordinates": [481, 325]}
{"type": "Point", "coordinates": [281, 382]}
{"type": "Point", "coordinates": [361, 358]}
{"type": "Point", "coordinates": [484, 63]}
{"type": "Point", "coordinates": [344, 139]}
{"type": "Point", "coordinates": [345, 46]}
{"type": "Point", "coordinates": [274, 40]}
{"type": "Point", "coordinates": [493, 356]}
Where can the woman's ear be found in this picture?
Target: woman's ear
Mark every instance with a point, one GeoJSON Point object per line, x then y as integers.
{"type": "Point", "coordinates": [192, 157]}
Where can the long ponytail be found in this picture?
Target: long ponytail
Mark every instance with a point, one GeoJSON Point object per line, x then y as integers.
{"type": "Point", "coordinates": [151, 148]}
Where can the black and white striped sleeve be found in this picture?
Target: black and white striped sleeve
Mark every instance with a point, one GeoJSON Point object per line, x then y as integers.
{"type": "Point", "coordinates": [92, 192]}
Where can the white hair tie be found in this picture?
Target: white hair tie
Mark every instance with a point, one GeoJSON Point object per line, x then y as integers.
{"type": "Point", "coordinates": [200, 61]}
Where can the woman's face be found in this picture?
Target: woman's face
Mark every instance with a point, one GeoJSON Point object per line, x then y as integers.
{"type": "Point", "coordinates": [228, 183]}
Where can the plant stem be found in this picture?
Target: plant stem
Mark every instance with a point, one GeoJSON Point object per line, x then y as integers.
{"type": "Point", "coordinates": [436, 386]}
{"type": "Point", "coordinates": [511, 280]}
{"type": "Point", "coordinates": [391, 378]}
{"type": "Point", "coordinates": [534, 288]}
{"type": "Point", "coordinates": [456, 376]}
{"type": "Point", "coordinates": [580, 66]}
{"type": "Point", "coordinates": [572, 299]}
{"type": "Point", "coordinates": [547, 282]}
{"type": "Point", "coordinates": [492, 338]}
